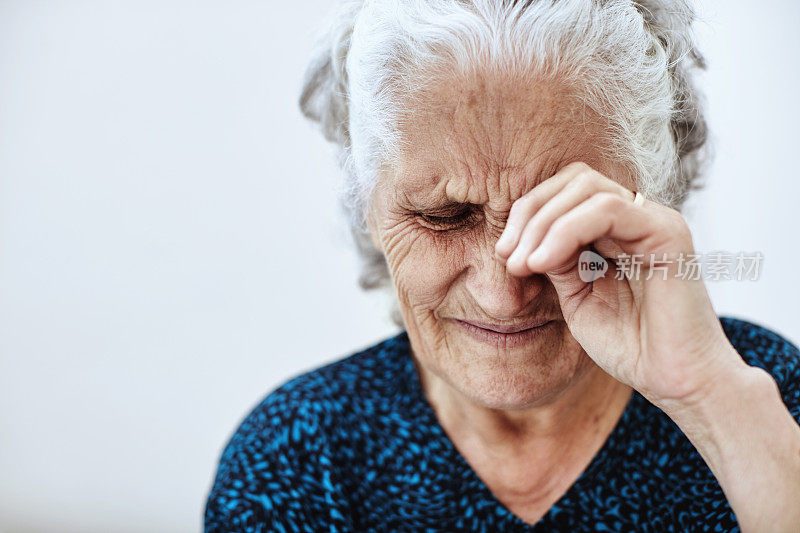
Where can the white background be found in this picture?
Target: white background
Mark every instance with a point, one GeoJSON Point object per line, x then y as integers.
{"type": "Point", "coordinates": [171, 247]}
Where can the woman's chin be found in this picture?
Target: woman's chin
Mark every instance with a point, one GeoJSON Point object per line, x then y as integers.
{"type": "Point", "coordinates": [512, 390]}
{"type": "Point", "coordinates": [516, 375]}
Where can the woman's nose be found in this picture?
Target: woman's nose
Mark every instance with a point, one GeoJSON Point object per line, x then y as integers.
{"type": "Point", "coordinates": [501, 295]}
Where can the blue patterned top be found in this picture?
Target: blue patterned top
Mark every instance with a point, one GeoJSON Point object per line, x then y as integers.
{"type": "Point", "coordinates": [355, 446]}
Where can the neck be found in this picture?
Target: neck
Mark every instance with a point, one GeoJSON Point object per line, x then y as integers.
{"type": "Point", "coordinates": [538, 446]}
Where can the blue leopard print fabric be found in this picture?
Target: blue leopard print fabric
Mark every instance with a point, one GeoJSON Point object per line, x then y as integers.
{"type": "Point", "coordinates": [355, 446]}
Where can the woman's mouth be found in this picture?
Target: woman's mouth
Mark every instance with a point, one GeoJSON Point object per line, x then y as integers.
{"type": "Point", "coordinates": [505, 335]}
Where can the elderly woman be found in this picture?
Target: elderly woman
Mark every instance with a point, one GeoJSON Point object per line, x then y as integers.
{"type": "Point", "coordinates": [504, 160]}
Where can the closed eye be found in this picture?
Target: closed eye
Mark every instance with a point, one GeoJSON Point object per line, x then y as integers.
{"type": "Point", "coordinates": [447, 222]}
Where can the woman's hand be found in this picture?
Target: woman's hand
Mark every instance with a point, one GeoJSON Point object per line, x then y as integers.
{"type": "Point", "coordinates": [654, 331]}
{"type": "Point", "coordinates": [658, 333]}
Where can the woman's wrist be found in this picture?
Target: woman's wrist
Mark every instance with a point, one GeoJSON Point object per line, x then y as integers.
{"type": "Point", "coordinates": [746, 435]}
{"type": "Point", "coordinates": [733, 394]}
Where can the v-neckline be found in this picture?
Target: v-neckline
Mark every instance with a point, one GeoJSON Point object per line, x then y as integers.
{"type": "Point", "coordinates": [602, 459]}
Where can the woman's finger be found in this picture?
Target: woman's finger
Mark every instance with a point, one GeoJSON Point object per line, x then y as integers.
{"type": "Point", "coordinates": [639, 229]}
{"type": "Point", "coordinates": [580, 188]}
{"type": "Point", "coordinates": [525, 206]}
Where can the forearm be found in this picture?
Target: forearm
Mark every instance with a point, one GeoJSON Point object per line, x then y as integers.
{"type": "Point", "coordinates": [751, 443]}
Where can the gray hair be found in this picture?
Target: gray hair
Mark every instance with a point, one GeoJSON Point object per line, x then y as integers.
{"type": "Point", "coordinates": [631, 62]}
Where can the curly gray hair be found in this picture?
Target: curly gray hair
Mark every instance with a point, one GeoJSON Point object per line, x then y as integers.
{"type": "Point", "coordinates": [632, 61]}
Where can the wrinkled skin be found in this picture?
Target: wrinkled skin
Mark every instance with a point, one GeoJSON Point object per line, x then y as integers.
{"type": "Point", "coordinates": [529, 417]}
{"type": "Point", "coordinates": [487, 144]}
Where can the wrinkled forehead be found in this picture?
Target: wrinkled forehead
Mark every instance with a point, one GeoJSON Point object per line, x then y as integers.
{"type": "Point", "coordinates": [491, 140]}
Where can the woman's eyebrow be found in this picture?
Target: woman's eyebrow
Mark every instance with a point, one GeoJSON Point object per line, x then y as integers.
{"type": "Point", "coordinates": [429, 199]}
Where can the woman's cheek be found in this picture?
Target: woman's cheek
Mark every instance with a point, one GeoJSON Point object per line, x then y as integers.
{"type": "Point", "coordinates": [423, 263]}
